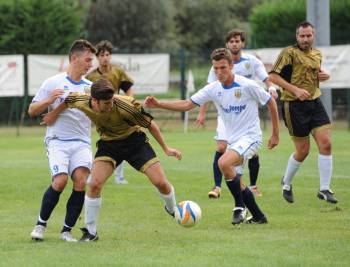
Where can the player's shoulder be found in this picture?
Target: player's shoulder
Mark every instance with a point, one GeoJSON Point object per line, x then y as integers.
{"type": "Point", "coordinates": [53, 81]}
{"type": "Point", "coordinates": [241, 80]}
{"type": "Point", "coordinates": [117, 69]}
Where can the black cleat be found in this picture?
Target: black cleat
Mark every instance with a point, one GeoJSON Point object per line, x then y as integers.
{"type": "Point", "coordinates": [287, 192]}
{"type": "Point", "coordinates": [170, 213]}
{"type": "Point", "coordinates": [252, 220]}
{"type": "Point", "coordinates": [327, 195]}
{"type": "Point", "coordinates": [239, 215]}
{"type": "Point", "coordinates": [87, 237]}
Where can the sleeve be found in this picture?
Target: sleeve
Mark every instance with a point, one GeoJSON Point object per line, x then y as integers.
{"type": "Point", "coordinates": [125, 81]}
{"type": "Point", "coordinates": [258, 93]}
{"type": "Point", "coordinates": [284, 59]}
{"type": "Point", "coordinates": [133, 112]}
{"type": "Point", "coordinates": [76, 100]}
{"type": "Point", "coordinates": [259, 69]}
{"type": "Point", "coordinates": [211, 76]}
{"type": "Point", "coordinates": [203, 95]}
{"type": "Point", "coordinates": [44, 91]}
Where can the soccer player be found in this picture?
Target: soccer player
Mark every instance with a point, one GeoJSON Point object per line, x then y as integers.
{"type": "Point", "coordinates": [67, 141]}
{"type": "Point", "coordinates": [298, 71]}
{"type": "Point", "coordinates": [120, 81]}
{"type": "Point", "coordinates": [237, 99]}
{"type": "Point", "coordinates": [250, 67]}
{"type": "Point", "coordinates": [118, 120]}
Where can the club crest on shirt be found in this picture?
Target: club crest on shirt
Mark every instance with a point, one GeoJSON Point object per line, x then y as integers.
{"type": "Point", "coordinates": [238, 93]}
{"type": "Point", "coordinates": [87, 89]}
{"type": "Point", "coordinates": [219, 94]}
{"type": "Point", "coordinates": [247, 66]}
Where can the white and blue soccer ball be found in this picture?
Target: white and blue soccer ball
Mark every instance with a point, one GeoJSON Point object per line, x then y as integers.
{"type": "Point", "coordinates": [187, 213]}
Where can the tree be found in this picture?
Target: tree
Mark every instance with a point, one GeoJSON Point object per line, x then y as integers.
{"type": "Point", "coordinates": [38, 26]}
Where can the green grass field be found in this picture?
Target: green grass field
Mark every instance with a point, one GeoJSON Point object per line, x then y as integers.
{"type": "Point", "coordinates": [135, 230]}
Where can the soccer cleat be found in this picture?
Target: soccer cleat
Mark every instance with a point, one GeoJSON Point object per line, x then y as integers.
{"type": "Point", "coordinates": [38, 232]}
{"type": "Point", "coordinates": [87, 237]}
{"type": "Point", "coordinates": [121, 180]}
{"type": "Point", "coordinates": [215, 192]}
{"type": "Point", "coordinates": [239, 215]}
{"type": "Point", "coordinates": [67, 236]}
{"type": "Point", "coordinates": [327, 195]}
{"type": "Point", "coordinates": [170, 213]}
{"type": "Point", "coordinates": [287, 192]}
{"type": "Point", "coordinates": [255, 191]}
{"type": "Point", "coordinates": [252, 220]}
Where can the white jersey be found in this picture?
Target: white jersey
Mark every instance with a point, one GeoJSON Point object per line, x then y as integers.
{"type": "Point", "coordinates": [248, 66]}
{"type": "Point", "coordinates": [72, 124]}
{"type": "Point", "coordinates": [237, 106]}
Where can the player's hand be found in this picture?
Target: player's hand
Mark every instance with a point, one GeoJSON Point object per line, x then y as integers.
{"type": "Point", "coordinates": [173, 153]}
{"type": "Point", "coordinates": [274, 94]}
{"type": "Point", "coordinates": [48, 119]}
{"type": "Point", "coordinates": [302, 94]}
{"type": "Point", "coordinates": [273, 141]}
{"type": "Point", "coordinates": [322, 75]}
{"type": "Point", "coordinates": [200, 120]}
{"type": "Point", "coordinates": [55, 94]}
{"type": "Point", "coordinates": [151, 102]}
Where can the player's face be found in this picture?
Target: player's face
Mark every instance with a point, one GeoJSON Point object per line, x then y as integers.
{"type": "Point", "coordinates": [235, 44]}
{"type": "Point", "coordinates": [83, 61]}
{"type": "Point", "coordinates": [305, 37]}
{"type": "Point", "coordinates": [223, 70]}
{"type": "Point", "coordinates": [104, 105]}
{"type": "Point", "coordinates": [104, 58]}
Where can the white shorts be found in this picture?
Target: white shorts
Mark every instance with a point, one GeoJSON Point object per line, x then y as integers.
{"type": "Point", "coordinates": [247, 147]}
{"type": "Point", "coordinates": [66, 156]}
{"type": "Point", "coordinates": [220, 130]}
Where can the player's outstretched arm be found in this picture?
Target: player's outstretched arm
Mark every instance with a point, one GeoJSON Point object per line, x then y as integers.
{"type": "Point", "coordinates": [51, 117]}
{"type": "Point", "coordinates": [37, 108]}
{"type": "Point", "coordinates": [154, 130]}
{"type": "Point", "coordinates": [272, 90]}
{"type": "Point", "coordinates": [177, 105]}
{"type": "Point", "coordinates": [201, 115]}
{"type": "Point", "coordinates": [274, 139]}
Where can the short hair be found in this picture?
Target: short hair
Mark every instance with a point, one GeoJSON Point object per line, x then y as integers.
{"type": "Point", "coordinates": [304, 24]}
{"type": "Point", "coordinates": [221, 53]}
{"type": "Point", "coordinates": [103, 46]}
{"type": "Point", "coordinates": [102, 90]}
{"type": "Point", "coordinates": [234, 33]}
{"type": "Point", "coordinates": [79, 46]}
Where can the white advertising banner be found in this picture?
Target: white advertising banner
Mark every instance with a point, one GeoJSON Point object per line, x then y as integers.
{"type": "Point", "coordinates": [335, 60]}
{"type": "Point", "coordinates": [149, 71]}
{"type": "Point", "coordinates": [11, 75]}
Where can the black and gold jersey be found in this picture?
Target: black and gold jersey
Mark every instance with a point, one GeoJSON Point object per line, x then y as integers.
{"type": "Point", "coordinates": [299, 68]}
{"type": "Point", "coordinates": [116, 75]}
{"type": "Point", "coordinates": [126, 117]}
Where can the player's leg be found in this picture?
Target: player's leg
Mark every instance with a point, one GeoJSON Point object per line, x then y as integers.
{"type": "Point", "coordinates": [254, 166]}
{"type": "Point", "coordinates": [119, 174]}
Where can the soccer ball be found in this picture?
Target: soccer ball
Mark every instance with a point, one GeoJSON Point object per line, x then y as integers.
{"type": "Point", "coordinates": [187, 213]}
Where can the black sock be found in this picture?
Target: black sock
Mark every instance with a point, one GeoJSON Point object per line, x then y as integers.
{"type": "Point", "coordinates": [254, 166]}
{"type": "Point", "coordinates": [251, 204]}
{"type": "Point", "coordinates": [216, 169]}
{"type": "Point", "coordinates": [235, 189]}
{"type": "Point", "coordinates": [73, 209]}
{"type": "Point", "coordinates": [48, 203]}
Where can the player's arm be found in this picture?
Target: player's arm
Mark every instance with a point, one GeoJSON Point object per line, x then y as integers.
{"type": "Point", "coordinates": [300, 93]}
{"type": "Point", "coordinates": [274, 139]}
{"type": "Point", "coordinates": [51, 117]}
{"type": "Point", "coordinates": [201, 114]}
{"type": "Point", "coordinates": [37, 108]}
{"type": "Point", "coordinates": [155, 131]}
{"type": "Point", "coordinates": [322, 75]}
{"type": "Point", "coordinates": [272, 89]}
{"type": "Point", "coordinates": [130, 92]}
{"type": "Point", "coordinates": [178, 105]}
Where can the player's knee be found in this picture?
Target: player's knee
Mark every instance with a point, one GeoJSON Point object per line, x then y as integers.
{"type": "Point", "coordinates": [59, 184]}
{"type": "Point", "coordinates": [326, 147]}
{"type": "Point", "coordinates": [79, 185]}
{"type": "Point", "coordinates": [221, 147]}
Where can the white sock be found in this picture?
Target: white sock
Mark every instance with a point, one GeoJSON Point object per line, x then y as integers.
{"type": "Point", "coordinates": [325, 167]}
{"type": "Point", "coordinates": [169, 199]}
{"type": "Point", "coordinates": [92, 207]}
{"type": "Point", "coordinates": [291, 170]}
{"type": "Point", "coordinates": [89, 179]}
{"type": "Point", "coordinates": [119, 171]}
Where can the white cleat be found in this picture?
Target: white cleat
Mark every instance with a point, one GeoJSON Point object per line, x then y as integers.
{"type": "Point", "coordinates": [67, 236]}
{"type": "Point", "coordinates": [38, 232]}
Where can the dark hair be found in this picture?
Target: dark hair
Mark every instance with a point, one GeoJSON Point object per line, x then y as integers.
{"type": "Point", "coordinates": [234, 33]}
{"type": "Point", "coordinates": [102, 90]}
{"type": "Point", "coordinates": [304, 24]}
{"type": "Point", "coordinates": [79, 46]}
{"type": "Point", "coordinates": [221, 53]}
{"type": "Point", "coordinates": [104, 46]}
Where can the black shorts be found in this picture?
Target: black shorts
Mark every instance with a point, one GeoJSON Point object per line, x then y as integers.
{"type": "Point", "coordinates": [302, 117]}
{"type": "Point", "coordinates": [135, 149]}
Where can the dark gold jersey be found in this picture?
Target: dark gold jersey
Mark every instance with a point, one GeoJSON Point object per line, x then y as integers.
{"type": "Point", "coordinates": [299, 68]}
{"type": "Point", "coordinates": [116, 75]}
{"type": "Point", "coordinates": [125, 118]}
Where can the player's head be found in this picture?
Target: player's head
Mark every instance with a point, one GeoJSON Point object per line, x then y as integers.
{"type": "Point", "coordinates": [222, 64]}
{"type": "Point", "coordinates": [81, 55]}
{"type": "Point", "coordinates": [235, 41]}
{"type": "Point", "coordinates": [104, 52]}
{"type": "Point", "coordinates": [305, 35]}
{"type": "Point", "coordinates": [102, 95]}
